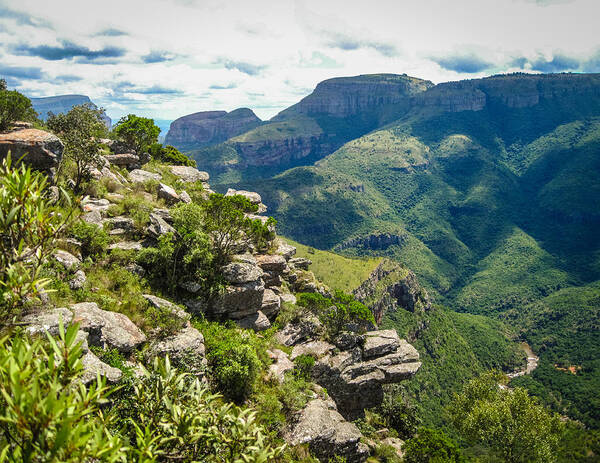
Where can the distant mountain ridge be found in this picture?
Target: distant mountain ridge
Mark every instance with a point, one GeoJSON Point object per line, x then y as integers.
{"type": "Point", "coordinates": [62, 104]}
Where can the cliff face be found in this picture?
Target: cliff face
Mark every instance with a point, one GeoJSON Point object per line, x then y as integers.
{"type": "Point", "coordinates": [210, 127]}
{"type": "Point", "coordinates": [348, 96]}
{"type": "Point", "coordinates": [62, 104]}
{"type": "Point", "coordinates": [513, 91]}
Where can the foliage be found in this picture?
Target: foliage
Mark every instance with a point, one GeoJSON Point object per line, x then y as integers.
{"type": "Point", "coordinates": [185, 257]}
{"type": "Point", "coordinates": [14, 106]}
{"type": "Point", "coordinates": [171, 416]}
{"type": "Point", "coordinates": [170, 155]}
{"type": "Point", "coordinates": [507, 420]}
{"type": "Point", "coordinates": [431, 446]}
{"type": "Point", "coordinates": [80, 129]}
{"type": "Point", "coordinates": [29, 227]}
{"type": "Point", "coordinates": [227, 225]}
{"type": "Point", "coordinates": [138, 133]}
{"type": "Point", "coordinates": [234, 364]}
{"type": "Point", "coordinates": [94, 239]}
{"type": "Point", "coordinates": [45, 413]}
{"type": "Point", "coordinates": [398, 414]}
{"type": "Point", "coordinates": [338, 312]}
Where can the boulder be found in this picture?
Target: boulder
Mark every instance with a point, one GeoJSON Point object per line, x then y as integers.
{"type": "Point", "coordinates": [47, 320]}
{"type": "Point", "coordinates": [286, 250]}
{"type": "Point", "coordinates": [186, 346]}
{"type": "Point", "coordinates": [94, 217]}
{"type": "Point", "coordinates": [185, 197]}
{"type": "Point", "coordinates": [163, 304]}
{"type": "Point", "coordinates": [272, 263]}
{"type": "Point", "coordinates": [239, 272]}
{"type": "Point", "coordinates": [257, 321]}
{"type": "Point", "coordinates": [164, 214]}
{"type": "Point", "coordinates": [107, 329]}
{"type": "Point", "coordinates": [244, 258]}
{"type": "Point", "coordinates": [39, 149]}
{"type": "Point", "coordinates": [78, 280]}
{"type": "Point", "coordinates": [126, 160]}
{"type": "Point", "coordinates": [326, 432]}
{"type": "Point", "coordinates": [379, 343]}
{"type": "Point", "coordinates": [93, 204]}
{"type": "Point", "coordinates": [238, 301]}
{"type": "Point", "coordinates": [106, 173]}
{"type": "Point", "coordinates": [189, 174]}
{"type": "Point", "coordinates": [271, 303]}
{"type": "Point", "coordinates": [120, 222]}
{"type": "Point", "coordinates": [168, 194]}
{"type": "Point", "coordinates": [300, 262]}
{"type": "Point", "coordinates": [287, 298]}
{"type": "Point", "coordinates": [251, 196]}
{"type": "Point", "coordinates": [313, 348]}
{"type": "Point", "coordinates": [66, 259]}
{"type": "Point", "coordinates": [143, 176]}
{"type": "Point", "coordinates": [93, 366]}
{"type": "Point", "coordinates": [158, 226]}
{"type": "Point", "coordinates": [281, 364]}
{"type": "Point", "coordinates": [307, 328]}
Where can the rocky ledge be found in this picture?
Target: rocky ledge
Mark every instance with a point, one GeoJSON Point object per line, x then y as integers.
{"type": "Point", "coordinates": [41, 150]}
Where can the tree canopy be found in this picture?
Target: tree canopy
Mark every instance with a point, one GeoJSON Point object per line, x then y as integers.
{"type": "Point", "coordinates": [138, 133]}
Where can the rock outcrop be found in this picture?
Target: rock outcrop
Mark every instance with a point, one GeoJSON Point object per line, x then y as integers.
{"type": "Point", "coordinates": [389, 287]}
{"type": "Point", "coordinates": [374, 241]}
{"type": "Point", "coordinates": [326, 432]}
{"type": "Point", "coordinates": [210, 127]}
{"type": "Point", "coordinates": [41, 150]}
{"type": "Point", "coordinates": [62, 104]}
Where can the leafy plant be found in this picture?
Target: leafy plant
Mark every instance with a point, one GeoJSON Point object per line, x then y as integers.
{"type": "Point", "coordinates": [29, 228]}
{"type": "Point", "coordinates": [94, 239]}
{"type": "Point", "coordinates": [431, 446]}
{"type": "Point", "coordinates": [138, 133]}
{"type": "Point", "coordinates": [14, 106]}
{"type": "Point", "coordinates": [80, 130]}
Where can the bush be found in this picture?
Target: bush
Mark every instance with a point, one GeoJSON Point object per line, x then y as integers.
{"type": "Point", "coordinates": [29, 227]}
{"type": "Point", "coordinates": [303, 366]}
{"type": "Point", "coordinates": [45, 415]}
{"type": "Point", "coordinates": [398, 415]}
{"type": "Point", "coordinates": [14, 107]}
{"type": "Point", "coordinates": [431, 446]}
{"type": "Point", "coordinates": [138, 133]}
{"type": "Point", "coordinates": [172, 155]}
{"type": "Point", "coordinates": [94, 239]}
{"type": "Point", "coordinates": [337, 313]}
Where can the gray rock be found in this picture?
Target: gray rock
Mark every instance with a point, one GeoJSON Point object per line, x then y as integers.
{"type": "Point", "coordinates": [47, 320]}
{"type": "Point", "coordinates": [185, 347]}
{"type": "Point", "coordinates": [300, 262]}
{"type": "Point", "coordinates": [190, 286]}
{"type": "Point", "coordinates": [348, 340]}
{"type": "Point", "coordinates": [272, 263]}
{"type": "Point", "coordinates": [94, 204]}
{"type": "Point", "coordinates": [164, 214]}
{"type": "Point", "coordinates": [238, 301]}
{"type": "Point", "coordinates": [288, 298]}
{"type": "Point", "coordinates": [281, 364]}
{"type": "Point", "coordinates": [168, 194]}
{"type": "Point", "coordinates": [189, 174]}
{"type": "Point", "coordinates": [239, 272]}
{"type": "Point", "coordinates": [326, 432]}
{"type": "Point", "coordinates": [66, 259]}
{"type": "Point", "coordinates": [251, 196]}
{"type": "Point", "coordinates": [120, 222]}
{"type": "Point", "coordinates": [286, 250]}
{"type": "Point", "coordinates": [123, 159]}
{"type": "Point", "coordinates": [126, 246]}
{"type": "Point", "coordinates": [257, 321]}
{"type": "Point", "coordinates": [41, 150]}
{"type": "Point", "coordinates": [93, 366]}
{"type": "Point", "coordinates": [160, 303]}
{"type": "Point", "coordinates": [185, 197]}
{"type": "Point", "coordinates": [136, 269]}
{"type": "Point", "coordinates": [271, 303]}
{"type": "Point", "coordinates": [315, 349]}
{"type": "Point", "coordinates": [158, 226]}
{"type": "Point", "coordinates": [381, 342]}
{"type": "Point", "coordinates": [306, 329]}
{"type": "Point", "coordinates": [106, 173]}
{"type": "Point", "coordinates": [93, 217]}
{"type": "Point", "coordinates": [78, 280]}
{"type": "Point", "coordinates": [107, 329]}
{"type": "Point", "coordinates": [244, 258]}
{"type": "Point", "coordinates": [143, 176]}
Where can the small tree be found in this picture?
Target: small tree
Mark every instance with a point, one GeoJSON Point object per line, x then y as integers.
{"type": "Point", "coordinates": [14, 107]}
{"type": "Point", "coordinates": [29, 227]}
{"type": "Point", "coordinates": [509, 421]}
{"type": "Point", "coordinates": [138, 133]}
{"type": "Point", "coordinates": [431, 446]}
{"type": "Point", "coordinates": [80, 130]}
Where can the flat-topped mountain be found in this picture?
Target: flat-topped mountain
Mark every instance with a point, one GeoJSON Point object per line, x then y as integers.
{"type": "Point", "coordinates": [210, 127]}
{"type": "Point", "coordinates": [62, 104]}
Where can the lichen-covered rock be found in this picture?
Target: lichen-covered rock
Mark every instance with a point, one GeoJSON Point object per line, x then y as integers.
{"type": "Point", "coordinates": [271, 303]}
{"type": "Point", "coordinates": [240, 272]}
{"type": "Point", "coordinates": [286, 250]}
{"type": "Point", "coordinates": [238, 301]}
{"type": "Point", "coordinates": [47, 320]}
{"type": "Point", "coordinates": [126, 160]}
{"type": "Point", "coordinates": [307, 328]}
{"type": "Point", "coordinates": [257, 321]}
{"type": "Point", "coordinates": [185, 197]}
{"type": "Point", "coordinates": [158, 226]}
{"type": "Point", "coordinates": [66, 259]}
{"type": "Point", "coordinates": [281, 364]}
{"type": "Point", "coordinates": [41, 150]}
{"type": "Point", "coordinates": [163, 304]}
{"type": "Point", "coordinates": [126, 246]}
{"type": "Point", "coordinates": [107, 329]}
{"type": "Point", "coordinates": [94, 204]}
{"type": "Point", "coordinates": [313, 348]}
{"type": "Point", "coordinates": [93, 366]}
{"type": "Point", "coordinates": [78, 280]}
{"type": "Point", "coordinates": [189, 174]}
{"type": "Point", "coordinates": [272, 263]}
{"type": "Point", "coordinates": [143, 176]}
{"type": "Point", "coordinates": [326, 432]}
{"type": "Point", "coordinates": [186, 347]}
{"type": "Point", "coordinates": [300, 263]}
{"type": "Point", "coordinates": [168, 194]}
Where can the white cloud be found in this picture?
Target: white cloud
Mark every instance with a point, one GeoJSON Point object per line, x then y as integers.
{"type": "Point", "coordinates": [208, 54]}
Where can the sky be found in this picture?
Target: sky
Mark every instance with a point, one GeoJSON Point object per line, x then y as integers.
{"type": "Point", "coordinates": [168, 58]}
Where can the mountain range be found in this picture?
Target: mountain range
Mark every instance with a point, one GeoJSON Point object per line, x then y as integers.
{"type": "Point", "coordinates": [62, 104]}
{"type": "Point", "coordinates": [488, 189]}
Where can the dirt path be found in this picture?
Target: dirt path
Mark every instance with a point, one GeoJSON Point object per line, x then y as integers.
{"type": "Point", "coordinates": [532, 362]}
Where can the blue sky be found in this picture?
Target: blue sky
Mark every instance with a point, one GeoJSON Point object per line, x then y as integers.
{"type": "Point", "coordinates": [165, 59]}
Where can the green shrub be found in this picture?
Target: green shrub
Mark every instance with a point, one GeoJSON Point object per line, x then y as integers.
{"type": "Point", "coordinates": [14, 106]}
{"type": "Point", "coordinates": [29, 228]}
{"type": "Point", "coordinates": [94, 239]}
{"type": "Point", "coordinates": [138, 133]}
{"type": "Point", "coordinates": [398, 415]}
{"type": "Point", "coordinates": [303, 366]}
{"type": "Point", "coordinates": [431, 446]}
{"type": "Point", "coordinates": [172, 155]}
{"type": "Point", "coordinates": [45, 415]}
